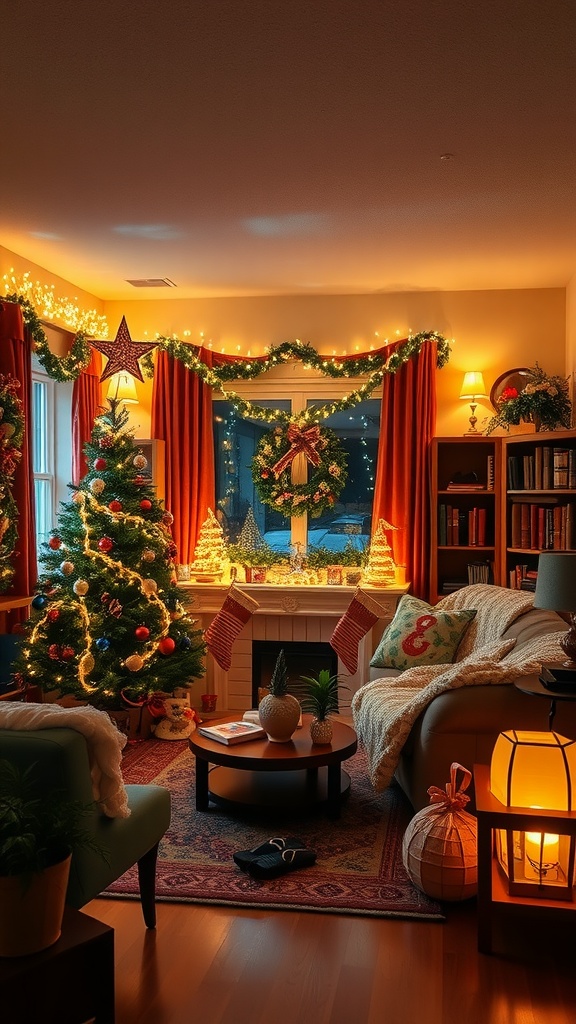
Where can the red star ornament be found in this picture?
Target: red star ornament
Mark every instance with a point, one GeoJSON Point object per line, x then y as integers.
{"type": "Point", "coordinates": [123, 353]}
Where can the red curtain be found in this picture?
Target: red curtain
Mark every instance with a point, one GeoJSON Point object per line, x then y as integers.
{"type": "Point", "coordinates": [402, 488]}
{"type": "Point", "coordinates": [85, 407]}
{"type": "Point", "coordinates": [182, 417]}
{"type": "Point", "coordinates": [16, 359]}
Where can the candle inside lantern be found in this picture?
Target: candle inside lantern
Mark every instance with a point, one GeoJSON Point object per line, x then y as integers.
{"type": "Point", "coordinates": [542, 851]}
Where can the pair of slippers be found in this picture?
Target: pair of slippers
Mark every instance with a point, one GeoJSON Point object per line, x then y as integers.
{"type": "Point", "coordinates": [275, 857]}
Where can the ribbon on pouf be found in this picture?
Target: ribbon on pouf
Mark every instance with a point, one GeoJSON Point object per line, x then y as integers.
{"type": "Point", "coordinates": [301, 442]}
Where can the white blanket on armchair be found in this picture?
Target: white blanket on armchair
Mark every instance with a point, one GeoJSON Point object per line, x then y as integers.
{"type": "Point", "coordinates": [385, 710]}
{"type": "Point", "coordinates": [103, 740]}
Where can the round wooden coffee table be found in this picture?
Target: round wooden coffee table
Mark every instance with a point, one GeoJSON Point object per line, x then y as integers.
{"type": "Point", "coordinates": [258, 773]}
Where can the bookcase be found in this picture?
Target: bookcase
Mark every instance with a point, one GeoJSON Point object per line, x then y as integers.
{"type": "Point", "coordinates": [465, 513]}
{"type": "Point", "coordinates": [539, 476]}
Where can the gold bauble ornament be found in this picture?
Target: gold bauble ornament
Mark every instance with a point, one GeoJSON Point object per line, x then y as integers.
{"type": "Point", "coordinates": [77, 497]}
{"type": "Point", "coordinates": [67, 568]}
{"type": "Point", "coordinates": [140, 461]}
{"type": "Point", "coordinates": [86, 663]}
{"type": "Point", "coordinates": [97, 486]}
{"type": "Point", "coordinates": [134, 663]}
{"type": "Point", "coordinates": [81, 587]}
{"type": "Point", "coordinates": [148, 555]}
{"type": "Point", "coordinates": [149, 587]}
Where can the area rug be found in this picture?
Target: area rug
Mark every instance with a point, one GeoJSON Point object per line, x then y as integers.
{"type": "Point", "coordinates": [358, 869]}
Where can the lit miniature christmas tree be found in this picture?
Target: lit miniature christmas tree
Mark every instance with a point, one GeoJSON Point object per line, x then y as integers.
{"type": "Point", "coordinates": [108, 618]}
{"type": "Point", "coordinates": [210, 555]}
{"type": "Point", "coordinates": [380, 570]}
{"type": "Point", "coordinates": [250, 538]}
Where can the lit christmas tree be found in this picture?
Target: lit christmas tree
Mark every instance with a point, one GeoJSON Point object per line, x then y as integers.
{"type": "Point", "coordinates": [210, 555]}
{"type": "Point", "coordinates": [108, 618]}
{"type": "Point", "coordinates": [250, 538]}
{"type": "Point", "coordinates": [380, 570]}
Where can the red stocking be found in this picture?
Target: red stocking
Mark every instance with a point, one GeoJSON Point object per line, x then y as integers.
{"type": "Point", "coordinates": [237, 609]}
{"type": "Point", "coordinates": [359, 617]}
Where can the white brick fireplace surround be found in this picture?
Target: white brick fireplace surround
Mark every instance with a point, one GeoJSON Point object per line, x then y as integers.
{"type": "Point", "coordinates": [292, 613]}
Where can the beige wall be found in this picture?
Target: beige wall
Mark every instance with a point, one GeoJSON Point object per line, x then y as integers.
{"type": "Point", "coordinates": [493, 331]}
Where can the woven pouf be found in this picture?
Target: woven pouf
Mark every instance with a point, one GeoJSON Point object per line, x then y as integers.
{"type": "Point", "coordinates": [439, 849]}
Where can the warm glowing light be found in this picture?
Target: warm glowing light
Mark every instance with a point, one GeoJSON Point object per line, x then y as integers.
{"type": "Point", "coordinates": [51, 307]}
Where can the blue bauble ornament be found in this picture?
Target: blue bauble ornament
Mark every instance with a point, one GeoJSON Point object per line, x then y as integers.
{"type": "Point", "coordinates": [39, 601]}
{"type": "Point", "coordinates": [184, 643]}
{"type": "Point", "coordinates": [102, 643]}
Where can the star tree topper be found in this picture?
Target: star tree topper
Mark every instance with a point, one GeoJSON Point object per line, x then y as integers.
{"type": "Point", "coordinates": [122, 353]}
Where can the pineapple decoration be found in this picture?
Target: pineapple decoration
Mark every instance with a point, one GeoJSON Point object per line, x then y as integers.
{"type": "Point", "coordinates": [108, 620]}
{"type": "Point", "coordinates": [210, 554]}
{"type": "Point", "coordinates": [381, 569]}
{"type": "Point", "coordinates": [279, 711]}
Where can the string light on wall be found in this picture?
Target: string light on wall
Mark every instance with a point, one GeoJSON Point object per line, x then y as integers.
{"type": "Point", "coordinates": [50, 306]}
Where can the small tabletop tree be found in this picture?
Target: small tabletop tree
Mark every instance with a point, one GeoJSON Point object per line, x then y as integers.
{"type": "Point", "coordinates": [210, 555]}
{"type": "Point", "coordinates": [108, 619]}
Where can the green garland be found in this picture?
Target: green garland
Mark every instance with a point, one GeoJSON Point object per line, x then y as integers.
{"type": "Point", "coordinates": [65, 369]}
{"type": "Point", "coordinates": [324, 484]}
{"type": "Point", "coordinates": [11, 437]}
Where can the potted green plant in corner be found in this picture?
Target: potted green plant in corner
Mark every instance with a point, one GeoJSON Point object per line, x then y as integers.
{"type": "Point", "coordinates": [38, 831]}
{"type": "Point", "coordinates": [319, 697]}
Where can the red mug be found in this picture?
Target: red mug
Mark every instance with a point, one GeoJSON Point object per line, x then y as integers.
{"type": "Point", "coordinates": [209, 701]}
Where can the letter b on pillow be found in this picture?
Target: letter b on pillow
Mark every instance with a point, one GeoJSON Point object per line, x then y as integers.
{"type": "Point", "coordinates": [421, 635]}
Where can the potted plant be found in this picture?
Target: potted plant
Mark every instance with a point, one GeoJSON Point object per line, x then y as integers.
{"type": "Point", "coordinates": [319, 696]}
{"type": "Point", "coordinates": [353, 560]}
{"type": "Point", "coordinates": [543, 400]}
{"type": "Point", "coordinates": [279, 711]}
{"type": "Point", "coordinates": [254, 560]}
{"type": "Point", "coordinates": [38, 831]}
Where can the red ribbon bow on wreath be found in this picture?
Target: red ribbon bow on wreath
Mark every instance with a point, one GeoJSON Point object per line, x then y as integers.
{"type": "Point", "coordinates": [301, 441]}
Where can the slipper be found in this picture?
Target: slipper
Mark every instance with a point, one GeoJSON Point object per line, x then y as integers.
{"type": "Point", "coordinates": [271, 865]}
{"type": "Point", "coordinates": [244, 858]}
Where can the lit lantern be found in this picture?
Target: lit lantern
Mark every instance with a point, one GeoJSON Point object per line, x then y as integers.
{"type": "Point", "coordinates": [534, 774]}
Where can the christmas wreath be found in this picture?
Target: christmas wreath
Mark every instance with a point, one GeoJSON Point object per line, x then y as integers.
{"type": "Point", "coordinates": [271, 469]}
{"type": "Point", "coordinates": [11, 435]}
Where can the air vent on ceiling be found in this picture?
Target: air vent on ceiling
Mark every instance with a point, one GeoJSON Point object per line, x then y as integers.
{"type": "Point", "coordinates": [152, 282]}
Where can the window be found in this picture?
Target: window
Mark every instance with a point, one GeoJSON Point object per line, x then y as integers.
{"type": "Point", "coordinates": [236, 438]}
{"type": "Point", "coordinates": [51, 448]}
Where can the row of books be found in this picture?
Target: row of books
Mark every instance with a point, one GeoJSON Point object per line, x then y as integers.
{"type": "Point", "coordinates": [543, 527]}
{"type": "Point", "coordinates": [465, 527]}
{"type": "Point", "coordinates": [476, 572]}
{"type": "Point", "coordinates": [470, 482]}
{"type": "Point", "coordinates": [545, 469]}
{"type": "Point", "coordinates": [521, 577]}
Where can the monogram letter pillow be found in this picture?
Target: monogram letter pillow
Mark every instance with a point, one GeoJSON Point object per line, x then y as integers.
{"type": "Point", "coordinates": [421, 635]}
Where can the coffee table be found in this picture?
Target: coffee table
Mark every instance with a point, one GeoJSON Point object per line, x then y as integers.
{"type": "Point", "coordinates": [258, 773]}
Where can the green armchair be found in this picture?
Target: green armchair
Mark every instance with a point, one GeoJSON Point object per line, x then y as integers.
{"type": "Point", "coordinates": [62, 755]}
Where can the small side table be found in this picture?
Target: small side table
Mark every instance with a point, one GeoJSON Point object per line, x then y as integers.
{"type": "Point", "coordinates": [71, 981]}
{"type": "Point", "coordinates": [532, 684]}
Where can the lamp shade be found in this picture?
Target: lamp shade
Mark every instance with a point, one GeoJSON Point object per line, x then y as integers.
{"type": "Point", "coordinates": [122, 388]}
{"type": "Point", "coordinates": [534, 769]}
{"type": "Point", "coordinates": [556, 581]}
{"type": "Point", "coordinates": [473, 386]}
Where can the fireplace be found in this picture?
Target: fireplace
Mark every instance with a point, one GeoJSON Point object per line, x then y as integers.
{"type": "Point", "coordinates": [302, 658]}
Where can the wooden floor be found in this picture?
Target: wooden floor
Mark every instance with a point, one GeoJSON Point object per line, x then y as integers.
{"type": "Point", "coordinates": [212, 965]}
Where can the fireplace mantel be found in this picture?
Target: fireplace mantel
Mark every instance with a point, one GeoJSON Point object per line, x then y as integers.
{"type": "Point", "coordinates": [303, 613]}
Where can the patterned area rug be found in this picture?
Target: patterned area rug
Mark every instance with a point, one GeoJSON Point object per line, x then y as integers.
{"type": "Point", "coordinates": [359, 857]}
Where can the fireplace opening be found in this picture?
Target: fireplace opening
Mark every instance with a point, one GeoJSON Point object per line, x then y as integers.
{"type": "Point", "coordinates": [302, 659]}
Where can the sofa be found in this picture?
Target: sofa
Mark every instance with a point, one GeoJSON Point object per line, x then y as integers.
{"type": "Point", "coordinates": [415, 723]}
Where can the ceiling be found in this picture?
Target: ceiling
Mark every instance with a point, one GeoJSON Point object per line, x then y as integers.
{"type": "Point", "coordinates": [254, 147]}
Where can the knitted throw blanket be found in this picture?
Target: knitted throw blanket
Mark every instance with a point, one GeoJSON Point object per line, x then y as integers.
{"type": "Point", "coordinates": [385, 710]}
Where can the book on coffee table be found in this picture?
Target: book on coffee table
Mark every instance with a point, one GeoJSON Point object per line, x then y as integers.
{"type": "Point", "coordinates": [232, 732]}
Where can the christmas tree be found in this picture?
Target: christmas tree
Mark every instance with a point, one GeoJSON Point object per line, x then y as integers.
{"type": "Point", "coordinates": [210, 554]}
{"type": "Point", "coordinates": [250, 538]}
{"type": "Point", "coordinates": [380, 570]}
{"type": "Point", "coordinates": [108, 618]}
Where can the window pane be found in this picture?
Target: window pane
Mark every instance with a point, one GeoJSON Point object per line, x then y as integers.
{"type": "Point", "coordinates": [350, 520]}
{"type": "Point", "coordinates": [43, 499]}
{"type": "Point", "coordinates": [39, 427]}
{"type": "Point", "coordinates": [235, 441]}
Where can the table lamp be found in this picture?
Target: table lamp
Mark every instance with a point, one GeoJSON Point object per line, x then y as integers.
{"type": "Point", "coordinates": [122, 388]}
{"type": "Point", "coordinates": [473, 387]}
{"type": "Point", "coordinates": [556, 590]}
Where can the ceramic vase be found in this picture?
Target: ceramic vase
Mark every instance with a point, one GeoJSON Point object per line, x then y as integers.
{"type": "Point", "coordinates": [279, 717]}
{"type": "Point", "coordinates": [321, 731]}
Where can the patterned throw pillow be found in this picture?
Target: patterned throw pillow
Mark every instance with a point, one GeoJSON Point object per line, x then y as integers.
{"type": "Point", "coordinates": [421, 635]}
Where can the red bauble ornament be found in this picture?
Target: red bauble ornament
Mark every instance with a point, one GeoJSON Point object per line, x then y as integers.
{"type": "Point", "coordinates": [140, 480]}
{"type": "Point", "coordinates": [166, 645]}
{"type": "Point", "coordinates": [141, 632]}
{"type": "Point", "coordinates": [54, 652]}
{"type": "Point", "coordinates": [53, 615]}
{"type": "Point", "coordinates": [105, 544]}
{"type": "Point", "coordinates": [67, 653]}
{"type": "Point", "coordinates": [107, 441]}
{"type": "Point", "coordinates": [54, 543]}
{"type": "Point", "coordinates": [145, 504]}
{"type": "Point", "coordinates": [100, 463]}
{"type": "Point", "coordinates": [115, 506]}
